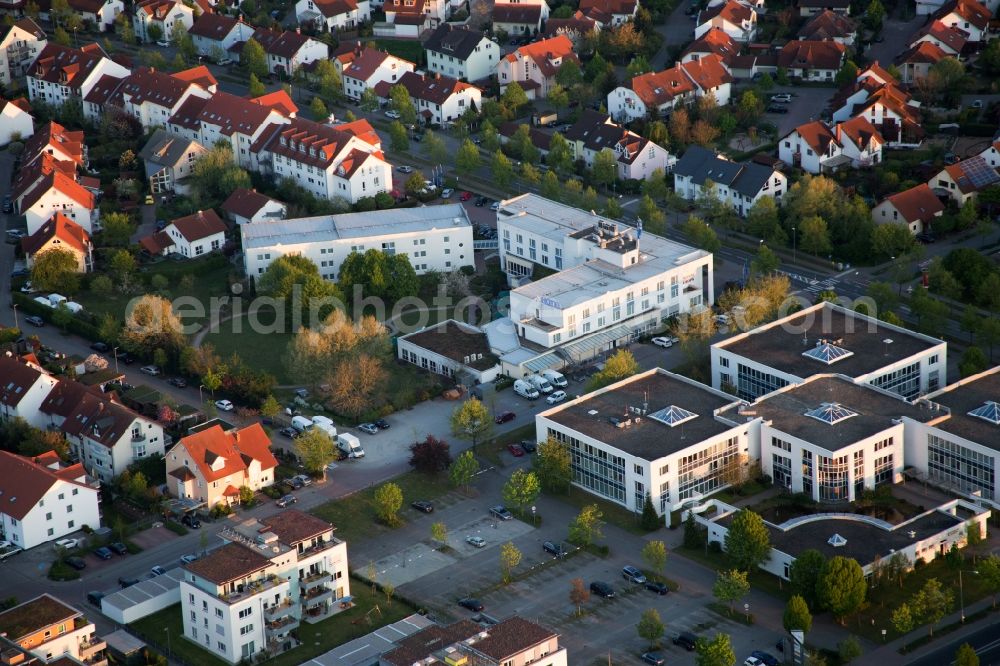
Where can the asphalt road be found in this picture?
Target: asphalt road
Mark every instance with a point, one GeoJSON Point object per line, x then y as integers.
{"type": "Point", "coordinates": [985, 641]}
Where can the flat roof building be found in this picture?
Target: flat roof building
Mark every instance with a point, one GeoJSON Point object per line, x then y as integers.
{"type": "Point", "coordinates": [453, 349]}
{"type": "Point", "coordinates": [827, 338]}
{"type": "Point", "coordinates": [47, 628]}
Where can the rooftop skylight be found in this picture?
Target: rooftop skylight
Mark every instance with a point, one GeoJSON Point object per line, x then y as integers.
{"type": "Point", "coordinates": [827, 352]}
{"type": "Point", "coordinates": [831, 412]}
{"type": "Point", "coordinates": [988, 412]}
{"type": "Point", "coordinates": [672, 415]}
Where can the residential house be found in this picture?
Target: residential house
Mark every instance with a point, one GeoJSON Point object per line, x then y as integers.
{"type": "Point", "coordinates": [737, 185]}
{"type": "Point", "coordinates": [916, 208]}
{"type": "Point", "coordinates": [19, 46]}
{"type": "Point", "coordinates": [166, 15]}
{"type": "Point", "coordinates": [950, 40]}
{"type": "Point", "coordinates": [44, 500]}
{"type": "Point", "coordinates": [818, 148]}
{"type": "Point", "coordinates": [915, 63]}
{"type": "Point", "coordinates": [287, 51]}
{"type": "Point", "coordinates": [714, 42]}
{"type": "Point", "coordinates": [829, 25]}
{"type": "Point", "coordinates": [534, 66]}
{"type": "Point", "coordinates": [609, 13]}
{"type": "Point", "coordinates": [520, 18]}
{"type": "Point", "coordinates": [62, 233]}
{"type": "Point", "coordinates": [512, 641]}
{"type": "Point", "coordinates": [813, 7]}
{"type": "Point", "coordinates": [215, 35]}
{"type": "Point", "coordinates": [279, 101]}
{"type": "Point", "coordinates": [190, 236]}
{"type": "Point", "coordinates": [963, 180]}
{"type": "Point", "coordinates": [153, 97]}
{"type": "Point", "coordinates": [736, 19]}
{"type": "Point", "coordinates": [410, 18]}
{"type": "Point", "coordinates": [576, 27]}
{"type": "Point", "coordinates": [812, 60]}
{"type": "Point", "coordinates": [364, 68]}
{"type": "Point", "coordinates": [52, 631]}
{"type": "Point", "coordinates": [57, 192]}
{"type": "Point", "coordinates": [992, 153]}
{"type": "Point", "coordinates": [655, 94]}
{"type": "Point", "coordinates": [199, 75]}
{"type": "Point", "coordinates": [876, 95]}
{"type": "Point", "coordinates": [637, 157]}
{"type": "Point", "coordinates": [461, 53]}
{"type": "Point", "coordinates": [256, 590]}
{"type": "Point", "coordinates": [437, 99]}
{"type": "Point", "coordinates": [169, 160]}
{"type": "Point", "coordinates": [24, 388]}
{"type": "Point", "coordinates": [247, 206]}
{"type": "Point", "coordinates": [104, 435]}
{"type": "Point", "coordinates": [327, 161]}
{"type": "Point", "coordinates": [969, 16]}
{"type": "Point", "coordinates": [99, 14]}
{"type": "Point", "coordinates": [16, 121]}
{"type": "Point", "coordinates": [61, 73]}
{"type": "Point", "coordinates": [333, 15]}
{"type": "Point", "coordinates": [212, 465]}
{"type": "Point", "coordinates": [56, 141]}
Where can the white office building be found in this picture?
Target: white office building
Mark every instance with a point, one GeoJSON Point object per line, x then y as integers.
{"type": "Point", "coordinates": [437, 238]}
{"type": "Point", "coordinates": [826, 338]}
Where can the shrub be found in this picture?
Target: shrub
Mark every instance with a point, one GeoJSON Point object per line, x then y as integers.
{"type": "Point", "coordinates": [61, 571]}
{"type": "Point", "coordinates": [176, 528]}
{"type": "Point", "coordinates": [132, 548]}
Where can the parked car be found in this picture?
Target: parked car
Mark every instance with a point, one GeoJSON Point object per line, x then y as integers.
{"type": "Point", "coordinates": [224, 405]}
{"type": "Point", "coordinates": [369, 428]}
{"type": "Point", "coordinates": [76, 563]}
{"type": "Point", "coordinates": [447, 192]}
{"type": "Point", "coordinates": [392, 114]}
{"type": "Point", "coordinates": [304, 479]}
{"type": "Point", "coordinates": [654, 658]}
{"type": "Point", "coordinates": [157, 570]}
{"type": "Point", "coordinates": [118, 548]}
{"type": "Point", "coordinates": [515, 450]}
{"type": "Point", "coordinates": [179, 382]}
{"type": "Point", "coordinates": [162, 43]}
{"type": "Point", "coordinates": [777, 108]}
{"type": "Point", "coordinates": [555, 397]}
{"type": "Point", "coordinates": [555, 548]}
{"type": "Point", "coordinates": [403, 168]}
{"type": "Point", "coordinates": [423, 505]}
{"type": "Point", "coordinates": [68, 544]}
{"type": "Point", "coordinates": [633, 575]}
{"type": "Point", "coordinates": [287, 500]}
{"type": "Point", "coordinates": [478, 542]}
{"type": "Point", "coordinates": [481, 201]}
{"type": "Point", "coordinates": [602, 589]}
{"type": "Point", "coordinates": [150, 370]}
{"type": "Point", "coordinates": [505, 417]}
{"type": "Point", "coordinates": [94, 598]}
{"type": "Point", "coordinates": [686, 640]}
{"type": "Point", "coordinates": [104, 553]}
{"type": "Point", "coordinates": [666, 343]}
{"type": "Point", "coordinates": [752, 661]}
{"type": "Point", "coordinates": [382, 424]}
{"type": "Point", "coordinates": [465, 196]}
{"type": "Point", "coordinates": [127, 582]}
{"type": "Point", "coordinates": [188, 559]}
{"type": "Point", "coordinates": [100, 348]}
{"type": "Point", "coordinates": [781, 98]}
{"type": "Point", "coordinates": [474, 605]}
{"type": "Point", "coordinates": [35, 320]}
{"type": "Point", "coordinates": [289, 432]}
{"type": "Point", "coordinates": [126, 358]}
{"type": "Point", "coordinates": [528, 445]}
{"type": "Point", "coordinates": [495, 206]}
{"type": "Point", "coordinates": [658, 588]}
{"type": "Point", "coordinates": [501, 512]}
{"type": "Point", "coordinates": [294, 483]}
{"type": "Point", "coordinates": [191, 521]}
{"type": "Point", "coordinates": [765, 658]}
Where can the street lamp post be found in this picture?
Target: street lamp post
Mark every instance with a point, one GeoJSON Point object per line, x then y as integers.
{"type": "Point", "coordinates": [167, 631]}
{"type": "Point", "coordinates": [115, 352]}
{"type": "Point", "coordinates": [533, 522]}
{"type": "Point", "coordinates": [201, 396]}
{"type": "Point", "coordinates": [14, 307]}
{"type": "Point", "coordinates": [961, 591]}
{"type": "Point", "coordinates": [794, 254]}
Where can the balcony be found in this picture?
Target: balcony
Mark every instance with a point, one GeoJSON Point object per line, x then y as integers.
{"type": "Point", "coordinates": [312, 580]}
{"type": "Point", "coordinates": [319, 547]}
{"type": "Point", "coordinates": [316, 595]}
{"type": "Point", "coordinates": [138, 436]}
{"type": "Point", "coordinates": [284, 608]}
{"type": "Point", "coordinates": [252, 589]}
{"type": "Point", "coordinates": [280, 627]}
{"type": "Point", "coordinates": [91, 647]}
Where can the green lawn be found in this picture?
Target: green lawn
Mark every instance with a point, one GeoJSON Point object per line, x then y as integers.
{"type": "Point", "coordinates": [354, 517]}
{"type": "Point", "coordinates": [166, 626]}
{"type": "Point", "coordinates": [407, 49]}
{"type": "Point", "coordinates": [264, 351]}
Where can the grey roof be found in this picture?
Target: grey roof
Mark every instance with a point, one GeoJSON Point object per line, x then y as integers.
{"type": "Point", "coordinates": [456, 42]}
{"type": "Point", "coordinates": [701, 164]}
{"type": "Point", "coordinates": [165, 148]}
{"type": "Point", "coordinates": [327, 228]}
{"type": "Point", "coordinates": [969, 395]}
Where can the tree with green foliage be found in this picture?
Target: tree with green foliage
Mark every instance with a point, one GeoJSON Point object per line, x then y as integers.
{"type": "Point", "coordinates": [560, 157]}
{"type": "Point", "coordinates": [62, 316]}
{"type": "Point", "coordinates": [434, 147]}
{"type": "Point", "coordinates": [651, 627]}
{"type": "Point", "coordinates": [892, 239]}
{"type": "Point", "coordinates": [439, 533]}
{"type": "Point", "coordinates": [501, 169]}
{"type": "Point", "coordinates": [510, 557]}
{"type": "Point", "coordinates": [932, 602]}
{"type": "Point", "coordinates": [973, 362]}
{"type": "Point", "coordinates": [730, 585]}
{"type": "Point", "coordinates": [841, 586]}
{"type": "Point", "coordinates": [586, 527]}
{"type": "Point", "coordinates": [652, 217]}
{"type": "Point", "coordinates": [748, 543]}
{"type": "Point", "coordinates": [717, 651]}
{"type": "Point", "coordinates": [766, 261]}
{"type": "Point", "coordinates": [56, 270]}
{"type": "Point", "coordinates": [318, 109]}
{"type": "Point", "coordinates": [847, 74]}
{"type": "Point", "coordinates": [605, 168]}
{"type": "Point", "coordinates": [700, 234]}
{"type": "Point", "coordinates": [620, 365]}
{"type": "Point", "coordinates": [331, 85]}
{"type": "Point", "coordinates": [797, 615]}
{"type": "Point", "coordinates": [472, 421]}
{"type": "Point", "coordinates": [463, 469]}
{"type": "Point", "coordinates": [468, 159]}
{"type": "Point", "coordinates": [315, 449]}
{"type": "Point", "coordinates": [254, 58]}
{"type": "Point", "coordinates": [296, 280]}
{"type": "Point", "coordinates": [558, 97]}
{"type": "Point", "coordinates": [902, 619]}
{"type": "Point", "coordinates": [650, 520]}
{"type": "Point", "coordinates": [553, 466]}
{"type": "Point", "coordinates": [521, 490]}
{"type": "Point", "coordinates": [388, 500]}
{"type": "Point", "coordinates": [514, 97]}
{"type": "Point", "coordinates": [569, 75]}
{"type": "Point", "coordinates": [849, 649]}
{"type": "Point", "coordinates": [490, 137]}
{"type": "Point", "coordinates": [693, 536]}
{"type": "Point", "coordinates": [401, 102]}
{"type": "Point", "coordinates": [216, 174]}
{"type": "Point", "coordinates": [654, 554]}
{"type": "Point", "coordinates": [117, 228]}
{"type": "Point", "coordinates": [966, 656]}
{"type": "Point", "coordinates": [369, 101]}
{"type": "Point", "coordinates": [814, 235]}
{"type": "Point", "coordinates": [398, 136]}
{"type": "Point", "coordinates": [804, 574]}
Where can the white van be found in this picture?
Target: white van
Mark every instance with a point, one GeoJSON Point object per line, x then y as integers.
{"type": "Point", "coordinates": [525, 390]}
{"type": "Point", "coordinates": [301, 423]}
{"type": "Point", "coordinates": [350, 445]}
{"type": "Point", "coordinates": [540, 383]}
{"type": "Point", "coordinates": [555, 378]}
{"type": "Point", "coordinates": [328, 429]}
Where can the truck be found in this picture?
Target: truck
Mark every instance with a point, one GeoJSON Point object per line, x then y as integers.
{"type": "Point", "coordinates": [328, 429]}
{"type": "Point", "coordinates": [544, 119]}
{"type": "Point", "coordinates": [350, 445]}
{"type": "Point", "coordinates": [555, 378]}
{"type": "Point", "coordinates": [301, 423]}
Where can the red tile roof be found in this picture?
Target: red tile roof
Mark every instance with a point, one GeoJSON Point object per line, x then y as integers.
{"type": "Point", "coordinates": [200, 75]}
{"type": "Point", "coordinates": [278, 100]}
{"type": "Point", "coordinates": [809, 54]}
{"type": "Point", "coordinates": [158, 9]}
{"type": "Point", "coordinates": [63, 184]}
{"type": "Point", "coordinates": [88, 412]}
{"type": "Point", "coordinates": [156, 243]}
{"type": "Point", "coordinates": [229, 112]}
{"type": "Point", "coordinates": [145, 84]}
{"type": "Point", "coordinates": [228, 563]}
{"type": "Point", "coordinates": [32, 174]}
{"type": "Point", "coordinates": [817, 136]}
{"type": "Point", "coordinates": [923, 53]}
{"type": "Point", "coordinates": [304, 141]}
{"type": "Point", "coordinates": [828, 25]}
{"type": "Point", "coordinates": [732, 11]}
{"type": "Point", "coordinates": [235, 449]}
{"type": "Point", "coordinates": [213, 26]}
{"type": "Point", "coordinates": [245, 203]}
{"type": "Point", "coordinates": [917, 203]}
{"type": "Point", "coordinates": [657, 88]}
{"type": "Point", "coordinates": [604, 11]}
{"type": "Point", "coordinates": [970, 10]}
{"type": "Point", "coordinates": [103, 90]}
{"type": "Point", "coordinates": [364, 64]}
{"type": "Point", "coordinates": [715, 41]}
{"type": "Point", "coordinates": [436, 89]}
{"type": "Point", "coordinates": [546, 52]}
{"type": "Point", "coordinates": [331, 8]}
{"type": "Point", "coordinates": [293, 526]}
{"type": "Point", "coordinates": [199, 225]}
{"type": "Point", "coordinates": [58, 227]}
{"type": "Point", "coordinates": [54, 135]}
{"type": "Point", "coordinates": [860, 131]}
{"type": "Point", "coordinates": [951, 37]}
{"type": "Point", "coordinates": [708, 72]}
{"type": "Point", "coordinates": [66, 66]}
{"type": "Point", "coordinates": [283, 44]}
{"type": "Point", "coordinates": [512, 637]}
{"type": "Point", "coordinates": [18, 377]}
{"type": "Point", "coordinates": [578, 24]}
{"type": "Point", "coordinates": [400, 8]}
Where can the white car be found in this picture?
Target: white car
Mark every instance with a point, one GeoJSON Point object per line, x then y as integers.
{"type": "Point", "coordinates": [392, 114]}
{"type": "Point", "coordinates": [188, 559]}
{"type": "Point", "coordinates": [722, 319]}
{"type": "Point", "coordinates": [447, 192]}
{"type": "Point", "coordinates": [164, 43]}
{"type": "Point", "coordinates": [404, 169]}
{"type": "Point", "coordinates": [495, 206]}
{"type": "Point", "coordinates": [150, 370]}
{"type": "Point", "coordinates": [68, 544]}
{"type": "Point", "coordinates": [663, 342]}
{"type": "Point", "coordinates": [224, 405]}
{"type": "Point", "coordinates": [556, 397]}
{"type": "Point", "coordinates": [157, 571]}
{"type": "Point", "coordinates": [478, 542]}
{"type": "Point", "coordinates": [753, 661]}
{"type": "Point", "coordinates": [781, 98]}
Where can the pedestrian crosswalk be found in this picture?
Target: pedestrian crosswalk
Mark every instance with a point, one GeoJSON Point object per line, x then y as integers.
{"type": "Point", "coordinates": [818, 286]}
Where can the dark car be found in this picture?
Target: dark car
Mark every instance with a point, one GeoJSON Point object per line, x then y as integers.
{"type": "Point", "coordinates": [294, 483]}
{"type": "Point", "coordinates": [528, 445]}
{"type": "Point", "coordinates": [76, 562]}
{"type": "Point", "coordinates": [191, 521]}
{"type": "Point", "coordinates": [686, 640]}
{"type": "Point", "coordinates": [474, 605]}
{"type": "Point", "coordinates": [515, 450]}
{"type": "Point", "coordinates": [288, 432]}
{"type": "Point", "coordinates": [555, 548]}
{"type": "Point", "coordinates": [382, 424]}
{"type": "Point", "coordinates": [500, 511]}
{"type": "Point", "coordinates": [602, 589]}
{"type": "Point", "coordinates": [481, 201]}
{"type": "Point", "coordinates": [926, 237]}
{"type": "Point", "coordinates": [505, 417]}
{"type": "Point", "coordinates": [8, 206]}
{"type": "Point", "coordinates": [104, 553]}
{"type": "Point", "coordinates": [118, 547]}
{"type": "Point", "coordinates": [100, 347]}
{"type": "Point", "coordinates": [35, 320]}
{"type": "Point", "coordinates": [126, 358]}
{"type": "Point", "coordinates": [659, 588]}
{"type": "Point", "coordinates": [127, 582]}
{"type": "Point", "coordinates": [766, 658]}
{"type": "Point", "coordinates": [286, 500]}
{"type": "Point", "coordinates": [654, 658]}
{"type": "Point", "coordinates": [777, 108]}
{"type": "Point", "coordinates": [95, 598]}
{"type": "Point", "coordinates": [179, 382]}
{"type": "Point", "coordinates": [423, 505]}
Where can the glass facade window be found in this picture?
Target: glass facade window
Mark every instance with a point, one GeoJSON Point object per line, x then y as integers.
{"type": "Point", "coordinates": [781, 471]}
{"type": "Point", "coordinates": [594, 468]}
{"type": "Point", "coordinates": [664, 496]}
{"type": "Point", "coordinates": [904, 381]}
{"type": "Point", "coordinates": [883, 469]}
{"type": "Point", "coordinates": [833, 478]}
{"type": "Point", "coordinates": [859, 473]}
{"type": "Point", "coordinates": [807, 472]}
{"type": "Point", "coordinates": [752, 383]}
{"type": "Point", "coordinates": [704, 472]}
{"type": "Point", "coordinates": [960, 467]}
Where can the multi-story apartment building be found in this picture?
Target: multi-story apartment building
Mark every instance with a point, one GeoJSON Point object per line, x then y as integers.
{"type": "Point", "coordinates": [461, 53]}
{"type": "Point", "coordinates": [245, 598]}
{"type": "Point", "coordinates": [169, 160]}
{"type": "Point", "coordinates": [655, 94]}
{"type": "Point", "coordinates": [828, 338]}
{"type": "Point", "coordinates": [534, 66]}
{"type": "Point", "coordinates": [61, 73]}
{"type": "Point", "coordinates": [437, 238]}
{"type": "Point", "coordinates": [701, 173]}
{"type": "Point", "coordinates": [49, 629]}
{"type": "Point", "coordinates": [19, 47]}
{"type": "Point", "coordinates": [364, 67]}
{"type": "Point", "coordinates": [150, 96]}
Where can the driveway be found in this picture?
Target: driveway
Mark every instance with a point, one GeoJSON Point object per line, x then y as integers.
{"type": "Point", "coordinates": [896, 36]}
{"type": "Point", "coordinates": [677, 30]}
{"type": "Point", "coordinates": [807, 104]}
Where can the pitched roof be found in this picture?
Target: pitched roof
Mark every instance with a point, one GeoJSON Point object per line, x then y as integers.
{"type": "Point", "coordinates": [213, 26]}
{"type": "Point", "coordinates": [701, 164]}
{"type": "Point", "coordinates": [304, 141]}
{"type": "Point", "coordinates": [145, 84]}
{"type": "Point", "coordinates": [87, 412]}
{"type": "Point", "coordinates": [972, 174]}
{"type": "Point", "coordinates": [18, 377]}
{"type": "Point", "coordinates": [434, 89]}
{"type": "Point", "coordinates": [811, 54]}
{"type": "Point", "coordinates": [158, 9]}
{"type": "Point", "coordinates": [58, 227]}
{"type": "Point", "coordinates": [293, 526]}
{"type": "Point", "coordinates": [917, 203]}
{"type": "Point", "coordinates": [708, 72]}
{"type": "Point", "coordinates": [102, 91]}
{"type": "Point", "coordinates": [366, 61]}
{"type": "Point", "coordinates": [157, 242]}
{"type": "Point", "coordinates": [66, 66]}
{"type": "Point", "coordinates": [331, 8]}
{"type": "Point", "coordinates": [716, 41]}
{"type": "Point", "coordinates": [860, 131]}
{"type": "Point", "coordinates": [167, 149]}
{"type": "Point", "coordinates": [278, 100]}
{"type": "Point", "coordinates": [456, 42]}
{"type": "Point", "coordinates": [577, 23]}
{"type": "Point", "coordinates": [28, 25]}
{"type": "Point", "coordinates": [404, 10]}
{"type": "Point", "coordinates": [61, 183]}
{"type": "Point", "coordinates": [39, 613]}
{"type": "Point", "coordinates": [245, 203]}
{"type": "Point", "coordinates": [733, 11]}
{"type": "Point", "coordinates": [657, 88]}
{"type": "Point", "coordinates": [923, 53]}
{"type": "Point", "coordinates": [828, 25]}
{"type": "Point", "coordinates": [951, 37]}
{"type": "Point", "coordinates": [605, 10]}
{"type": "Point", "coordinates": [424, 643]}
{"type": "Point", "coordinates": [234, 450]}
{"type": "Point", "coordinates": [229, 112]}
{"type": "Point", "coordinates": [200, 75]}
{"type": "Point", "coordinates": [30, 175]}
{"type": "Point", "coordinates": [58, 137]}
{"type": "Point", "coordinates": [817, 136]}
{"type": "Point", "coordinates": [283, 44]}
{"type": "Point", "coordinates": [970, 10]}
{"type": "Point", "coordinates": [511, 637]}
{"type": "Point", "coordinates": [230, 562]}
{"type": "Point", "coordinates": [517, 13]}
{"type": "Point", "coordinates": [199, 225]}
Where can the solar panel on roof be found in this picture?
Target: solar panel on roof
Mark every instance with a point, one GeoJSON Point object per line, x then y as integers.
{"type": "Point", "coordinates": [988, 412]}
{"type": "Point", "coordinates": [827, 352]}
{"type": "Point", "coordinates": [979, 172]}
{"type": "Point", "coordinates": [672, 415]}
{"type": "Point", "coordinates": [831, 412]}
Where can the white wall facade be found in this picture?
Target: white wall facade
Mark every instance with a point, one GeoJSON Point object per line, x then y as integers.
{"type": "Point", "coordinates": [56, 94]}
{"type": "Point", "coordinates": [64, 509]}
{"type": "Point", "coordinates": [53, 202]}
{"type": "Point", "coordinates": [390, 70]}
{"type": "Point", "coordinates": [481, 63]}
{"type": "Point", "coordinates": [196, 248]}
{"type": "Point", "coordinates": [775, 187]}
{"type": "Point", "coordinates": [17, 51]}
